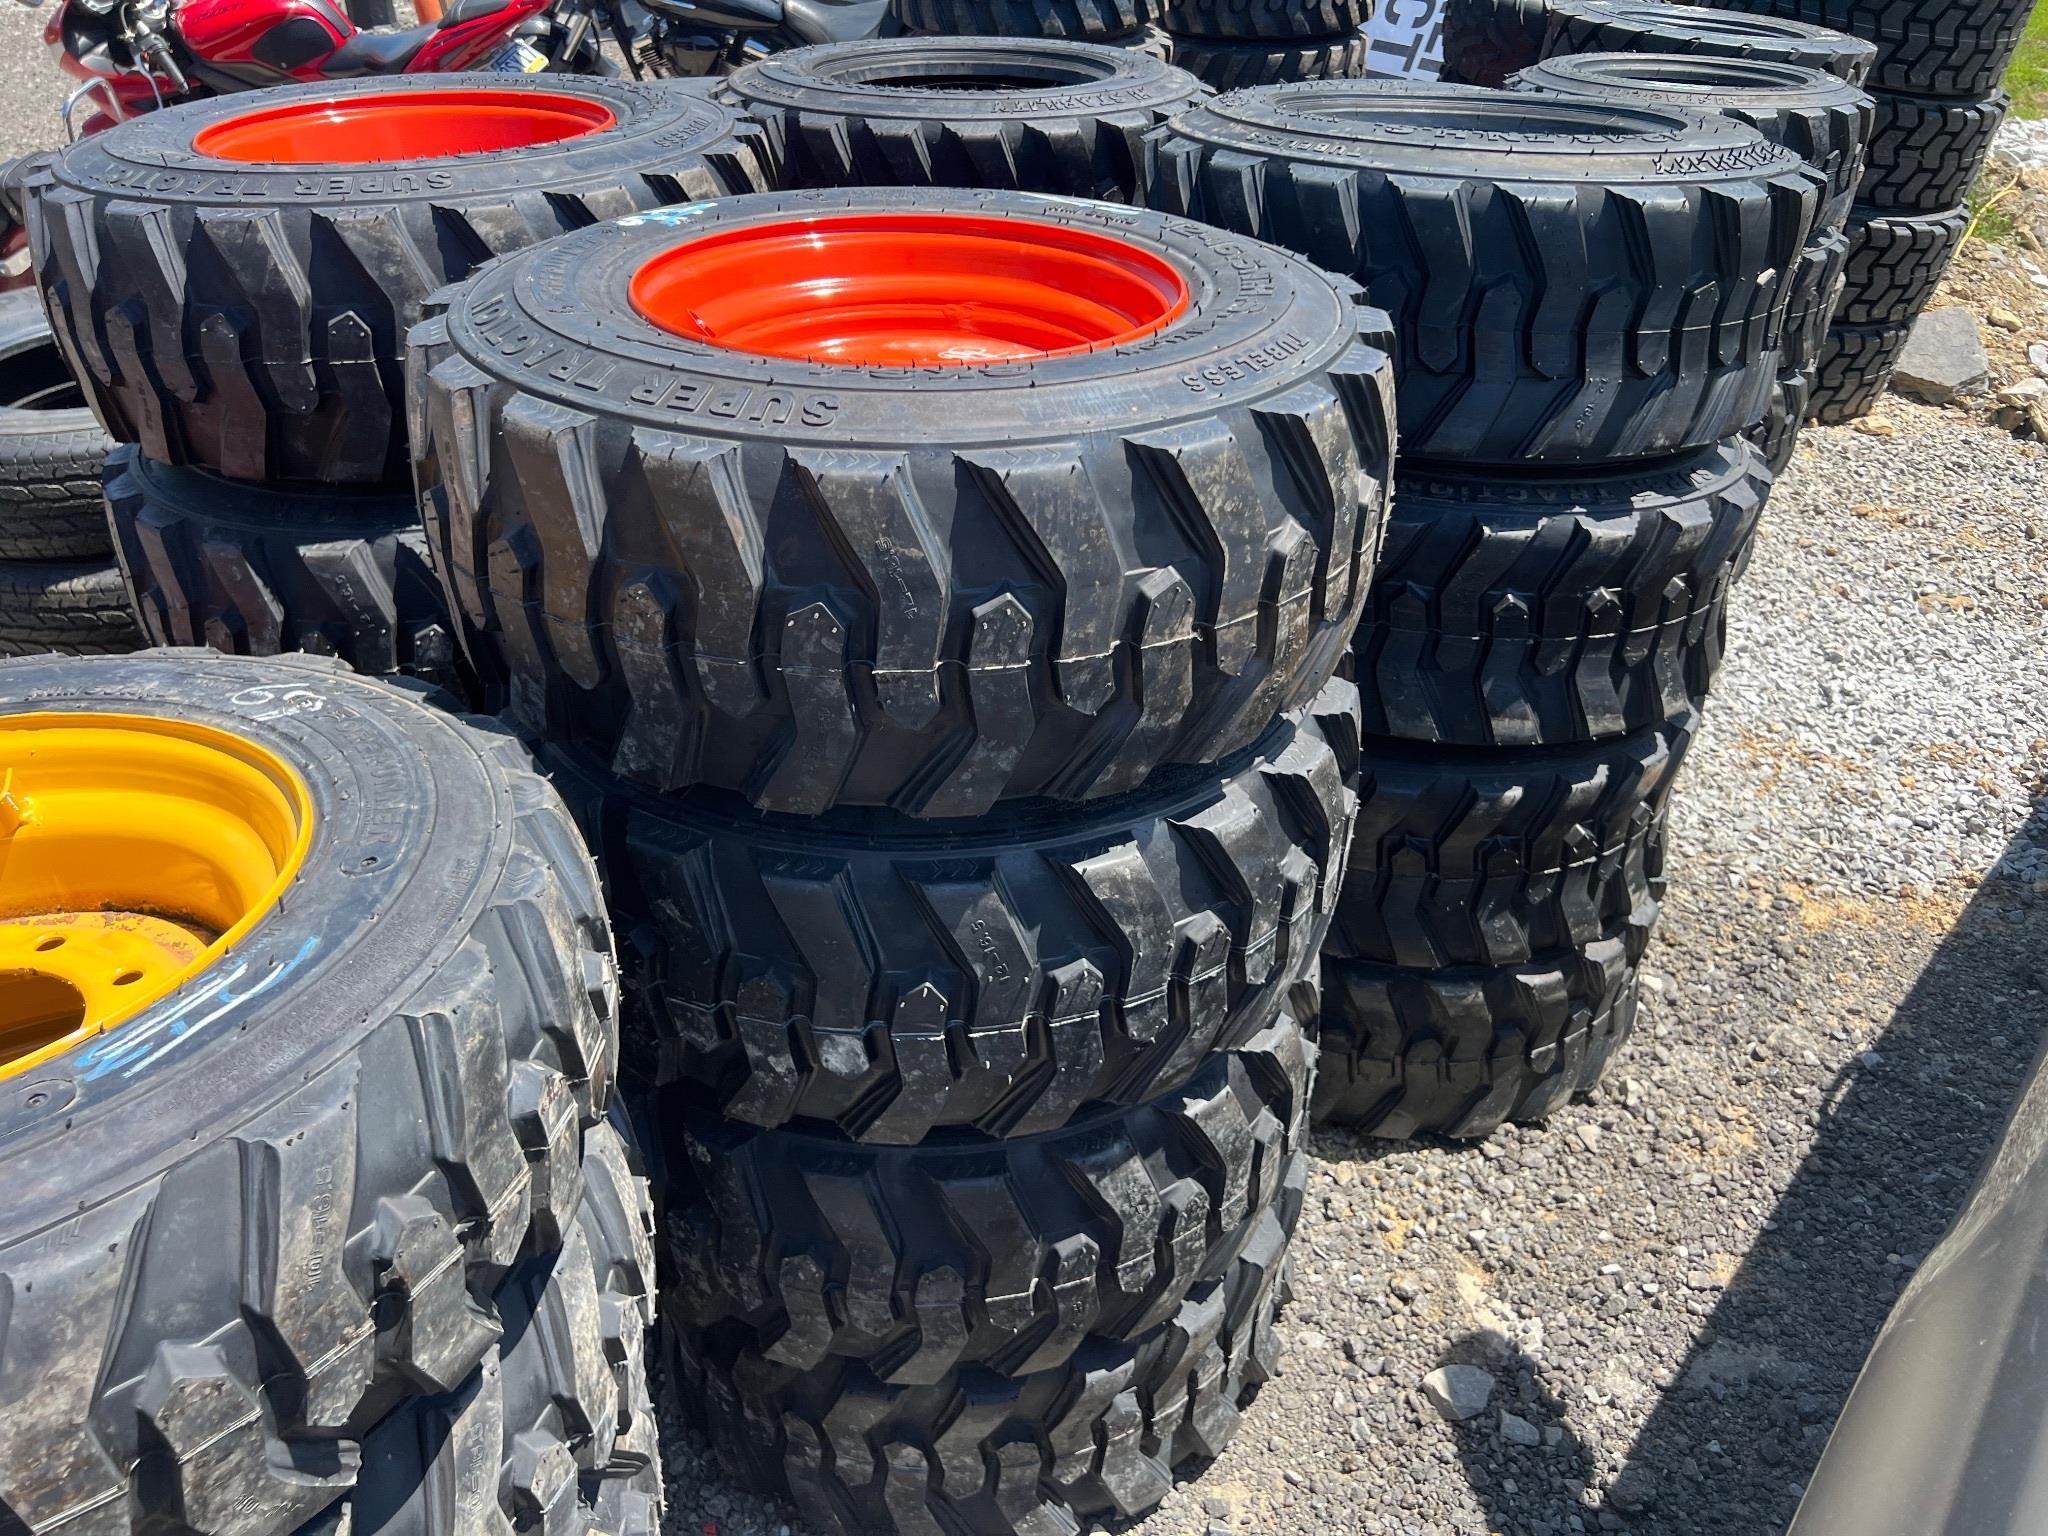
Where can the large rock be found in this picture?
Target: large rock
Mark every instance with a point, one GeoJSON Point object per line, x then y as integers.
{"type": "Point", "coordinates": [1459, 1391]}
{"type": "Point", "coordinates": [1944, 358]}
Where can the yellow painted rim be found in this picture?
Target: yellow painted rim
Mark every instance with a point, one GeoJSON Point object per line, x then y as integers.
{"type": "Point", "coordinates": [134, 853]}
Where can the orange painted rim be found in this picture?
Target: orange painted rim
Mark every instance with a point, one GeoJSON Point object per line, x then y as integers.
{"type": "Point", "coordinates": [910, 290]}
{"type": "Point", "coordinates": [401, 126]}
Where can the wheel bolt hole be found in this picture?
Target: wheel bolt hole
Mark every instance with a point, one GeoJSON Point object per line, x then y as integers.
{"type": "Point", "coordinates": [127, 978]}
{"type": "Point", "coordinates": [54, 941]}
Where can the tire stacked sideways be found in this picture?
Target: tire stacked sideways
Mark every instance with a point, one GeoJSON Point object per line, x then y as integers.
{"type": "Point", "coordinates": [231, 285]}
{"type": "Point", "coordinates": [1028, 115]}
{"type": "Point", "coordinates": [1822, 118]}
{"type": "Point", "coordinates": [1233, 44]}
{"type": "Point", "coordinates": [950, 705]}
{"type": "Point", "coordinates": [364, 1039]}
{"type": "Point", "coordinates": [1936, 80]}
{"type": "Point", "coordinates": [59, 590]}
{"type": "Point", "coordinates": [1488, 41]}
{"type": "Point", "coordinates": [1123, 23]}
{"type": "Point", "coordinates": [1549, 607]}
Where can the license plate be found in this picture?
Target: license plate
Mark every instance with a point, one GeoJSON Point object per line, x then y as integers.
{"type": "Point", "coordinates": [518, 57]}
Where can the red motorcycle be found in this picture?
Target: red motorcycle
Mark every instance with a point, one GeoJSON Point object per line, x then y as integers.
{"type": "Point", "coordinates": [133, 56]}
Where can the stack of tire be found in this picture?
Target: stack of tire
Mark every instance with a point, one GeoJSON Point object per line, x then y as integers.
{"type": "Point", "coordinates": [928, 602]}
{"type": "Point", "coordinates": [231, 283]}
{"type": "Point", "coordinates": [59, 590]}
{"type": "Point", "coordinates": [317, 1214]}
{"type": "Point", "coordinates": [1796, 84]}
{"type": "Point", "coordinates": [1939, 65]}
{"type": "Point", "coordinates": [1588, 301]}
{"type": "Point", "coordinates": [1233, 44]}
{"type": "Point", "coordinates": [1120, 23]}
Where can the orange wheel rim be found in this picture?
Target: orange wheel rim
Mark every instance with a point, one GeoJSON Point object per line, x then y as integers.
{"type": "Point", "coordinates": [401, 126]}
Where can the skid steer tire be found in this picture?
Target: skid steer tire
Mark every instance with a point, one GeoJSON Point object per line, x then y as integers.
{"type": "Point", "coordinates": [1248, 21]}
{"type": "Point", "coordinates": [891, 979]}
{"type": "Point", "coordinates": [1925, 152]}
{"type": "Point", "coordinates": [250, 319]}
{"type": "Point", "coordinates": [1000, 1257]}
{"type": "Point", "coordinates": [1093, 21]}
{"type": "Point", "coordinates": [996, 113]}
{"type": "Point", "coordinates": [1657, 26]}
{"type": "Point", "coordinates": [1896, 262]}
{"type": "Point", "coordinates": [1467, 858]}
{"type": "Point", "coordinates": [560, 1407]}
{"type": "Point", "coordinates": [1095, 1439]}
{"type": "Point", "coordinates": [373, 1105]}
{"type": "Point", "coordinates": [1555, 608]}
{"type": "Point", "coordinates": [1482, 223]}
{"type": "Point", "coordinates": [263, 569]}
{"type": "Point", "coordinates": [1486, 42]}
{"type": "Point", "coordinates": [1924, 47]}
{"type": "Point", "coordinates": [930, 588]}
{"type": "Point", "coordinates": [1237, 66]}
{"type": "Point", "coordinates": [1458, 1052]}
{"type": "Point", "coordinates": [70, 607]}
{"type": "Point", "coordinates": [1854, 370]}
{"type": "Point", "coordinates": [50, 446]}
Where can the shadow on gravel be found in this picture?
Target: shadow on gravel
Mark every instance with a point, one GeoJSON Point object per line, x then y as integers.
{"type": "Point", "coordinates": [1904, 1130]}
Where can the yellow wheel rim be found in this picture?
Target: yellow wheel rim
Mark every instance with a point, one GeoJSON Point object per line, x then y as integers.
{"type": "Point", "coordinates": [134, 853]}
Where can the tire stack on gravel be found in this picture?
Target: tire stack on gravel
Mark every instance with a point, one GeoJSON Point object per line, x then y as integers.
{"type": "Point", "coordinates": [1587, 300]}
{"type": "Point", "coordinates": [1939, 64]}
{"type": "Point", "coordinates": [1237, 43]}
{"type": "Point", "coordinates": [1014, 114]}
{"type": "Point", "coordinates": [1124, 23]}
{"type": "Point", "coordinates": [316, 1217]}
{"type": "Point", "coordinates": [59, 590]}
{"type": "Point", "coordinates": [231, 284]}
{"type": "Point", "coordinates": [943, 675]}
{"type": "Point", "coordinates": [1819, 116]}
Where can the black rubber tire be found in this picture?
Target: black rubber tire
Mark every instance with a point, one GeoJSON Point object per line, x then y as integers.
{"type": "Point", "coordinates": [1488, 41]}
{"type": "Point", "coordinates": [263, 569]}
{"type": "Point", "coordinates": [981, 1455]}
{"type": "Point", "coordinates": [1484, 237]}
{"type": "Point", "coordinates": [71, 607]}
{"type": "Point", "coordinates": [559, 1408]}
{"type": "Point", "coordinates": [1459, 1052]}
{"type": "Point", "coordinates": [892, 980]}
{"type": "Point", "coordinates": [1925, 153]}
{"type": "Point", "coordinates": [1553, 608]}
{"type": "Point", "coordinates": [1658, 26]}
{"type": "Point", "coordinates": [373, 1128]}
{"type": "Point", "coordinates": [1239, 66]}
{"type": "Point", "coordinates": [1475, 858]}
{"type": "Point", "coordinates": [1058, 117]}
{"type": "Point", "coordinates": [1097, 563]}
{"type": "Point", "coordinates": [1263, 20]}
{"type": "Point", "coordinates": [1924, 47]}
{"type": "Point", "coordinates": [1896, 261]}
{"type": "Point", "coordinates": [50, 446]}
{"type": "Point", "coordinates": [1776, 437]}
{"type": "Point", "coordinates": [1816, 298]}
{"type": "Point", "coordinates": [1005, 1257]}
{"type": "Point", "coordinates": [1854, 371]}
{"type": "Point", "coordinates": [252, 321]}
{"type": "Point", "coordinates": [1095, 21]}
{"type": "Point", "coordinates": [1820, 117]}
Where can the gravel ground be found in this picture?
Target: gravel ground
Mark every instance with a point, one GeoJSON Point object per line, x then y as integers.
{"type": "Point", "coordinates": [1668, 1290]}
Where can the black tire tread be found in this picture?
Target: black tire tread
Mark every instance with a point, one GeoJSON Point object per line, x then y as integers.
{"type": "Point", "coordinates": [850, 972]}
{"type": "Point", "coordinates": [1656, 26]}
{"type": "Point", "coordinates": [1924, 47]}
{"type": "Point", "coordinates": [1016, 1456]}
{"type": "Point", "coordinates": [1263, 20]}
{"type": "Point", "coordinates": [49, 457]}
{"type": "Point", "coordinates": [501, 1056]}
{"type": "Point", "coordinates": [72, 607]}
{"type": "Point", "coordinates": [919, 1261]}
{"type": "Point", "coordinates": [1087, 20]}
{"type": "Point", "coordinates": [1229, 66]}
{"type": "Point", "coordinates": [1488, 41]}
{"type": "Point", "coordinates": [259, 571]}
{"type": "Point", "coordinates": [1896, 261]}
{"type": "Point", "coordinates": [1925, 153]}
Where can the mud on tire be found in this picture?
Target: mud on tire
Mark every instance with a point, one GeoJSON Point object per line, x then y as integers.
{"type": "Point", "coordinates": [263, 569]}
{"type": "Point", "coordinates": [378, 1120]}
{"type": "Point", "coordinates": [930, 588]}
{"type": "Point", "coordinates": [1459, 236]}
{"type": "Point", "coordinates": [1029, 116]}
{"type": "Point", "coordinates": [250, 319]}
